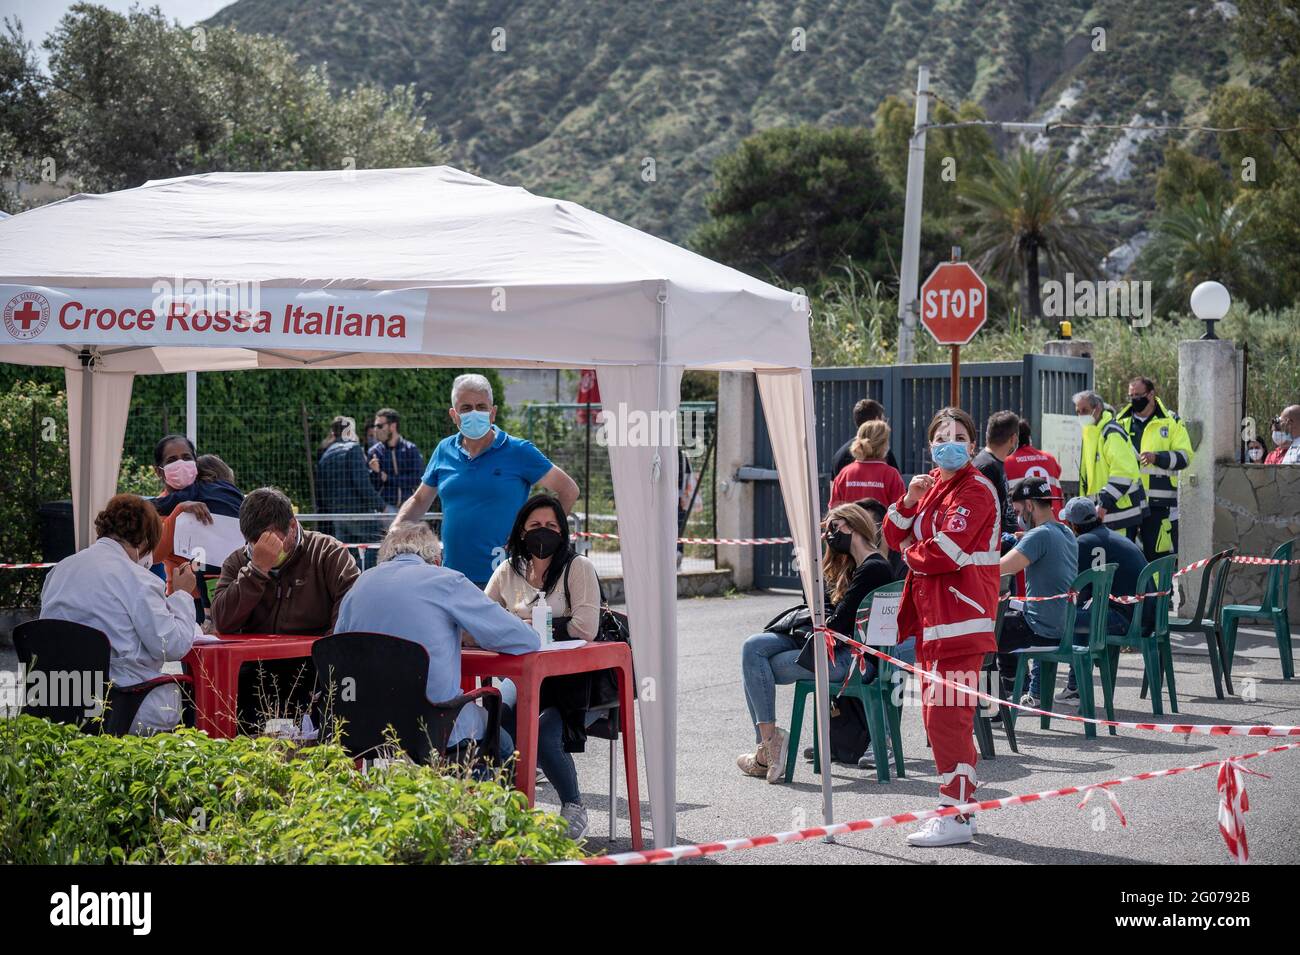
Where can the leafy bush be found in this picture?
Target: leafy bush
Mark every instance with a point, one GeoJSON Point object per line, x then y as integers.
{"type": "Point", "coordinates": [67, 797]}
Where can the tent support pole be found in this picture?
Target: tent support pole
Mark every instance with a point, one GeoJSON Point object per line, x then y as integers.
{"type": "Point", "coordinates": [84, 465]}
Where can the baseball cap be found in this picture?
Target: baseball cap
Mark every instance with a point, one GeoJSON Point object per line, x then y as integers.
{"type": "Point", "coordinates": [1079, 511]}
{"type": "Point", "coordinates": [1031, 489]}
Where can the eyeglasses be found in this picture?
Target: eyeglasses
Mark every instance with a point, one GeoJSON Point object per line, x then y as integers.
{"type": "Point", "coordinates": [835, 526]}
{"type": "Point", "coordinates": [1141, 397]}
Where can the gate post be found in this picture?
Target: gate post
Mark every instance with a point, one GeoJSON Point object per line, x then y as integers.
{"type": "Point", "coordinates": [734, 504]}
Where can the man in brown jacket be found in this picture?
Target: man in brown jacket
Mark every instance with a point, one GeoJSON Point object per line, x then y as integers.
{"type": "Point", "coordinates": [287, 580]}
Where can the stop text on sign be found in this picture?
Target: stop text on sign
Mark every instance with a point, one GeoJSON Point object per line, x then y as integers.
{"type": "Point", "coordinates": [954, 303]}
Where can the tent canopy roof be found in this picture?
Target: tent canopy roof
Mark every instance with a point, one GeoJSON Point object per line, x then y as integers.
{"type": "Point", "coordinates": [571, 287]}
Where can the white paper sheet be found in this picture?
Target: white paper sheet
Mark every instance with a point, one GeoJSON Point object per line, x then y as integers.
{"type": "Point", "coordinates": [210, 543]}
{"type": "Point", "coordinates": [564, 645]}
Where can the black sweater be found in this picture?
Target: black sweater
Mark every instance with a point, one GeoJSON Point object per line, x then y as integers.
{"type": "Point", "coordinates": [871, 573]}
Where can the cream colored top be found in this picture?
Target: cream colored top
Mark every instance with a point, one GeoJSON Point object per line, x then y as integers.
{"type": "Point", "coordinates": [516, 594]}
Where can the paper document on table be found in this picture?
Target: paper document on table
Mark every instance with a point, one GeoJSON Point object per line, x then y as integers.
{"type": "Point", "coordinates": [206, 638]}
{"type": "Point", "coordinates": [210, 543]}
{"type": "Point", "coordinates": [564, 645]}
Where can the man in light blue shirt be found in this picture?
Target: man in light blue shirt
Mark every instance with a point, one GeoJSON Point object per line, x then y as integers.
{"type": "Point", "coordinates": [409, 595]}
{"type": "Point", "coordinates": [483, 476]}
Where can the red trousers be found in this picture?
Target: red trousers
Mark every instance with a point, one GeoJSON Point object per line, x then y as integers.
{"type": "Point", "coordinates": [949, 717]}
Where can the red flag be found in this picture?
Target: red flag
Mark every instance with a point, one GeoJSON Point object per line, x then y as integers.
{"type": "Point", "coordinates": [588, 392]}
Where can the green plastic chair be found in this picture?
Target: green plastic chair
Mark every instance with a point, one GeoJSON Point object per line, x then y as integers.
{"type": "Point", "coordinates": [877, 697]}
{"type": "Point", "coordinates": [1273, 607]}
{"type": "Point", "coordinates": [1157, 658]}
{"type": "Point", "coordinates": [1080, 658]}
{"type": "Point", "coordinates": [1204, 618]}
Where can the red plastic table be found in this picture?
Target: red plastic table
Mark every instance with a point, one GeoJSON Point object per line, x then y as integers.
{"type": "Point", "coordinates": [527, 670]}
{"type": "Point", "coordinates": [215, 669]}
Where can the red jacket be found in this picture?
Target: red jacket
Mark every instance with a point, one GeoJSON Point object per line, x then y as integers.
{"type": "Point", "coordinates": [1028, 461]}
{"type": "Point", "coordinates": [863, 479]}
{"type": "Point", "coordinates": [950, 542]}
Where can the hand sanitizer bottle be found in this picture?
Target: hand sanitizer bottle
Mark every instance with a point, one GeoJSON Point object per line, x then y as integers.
{"type": "Point", "coordinates": [542, 620]}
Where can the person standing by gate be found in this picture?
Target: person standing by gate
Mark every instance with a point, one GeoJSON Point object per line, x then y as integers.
{"type": "Point", "coordinates": [1108, 466]}
{"type": "Point", "coordinates": [948, 526]}
{"type": "Point", "coordinates": [1164, 448]}
{"type": "Point", "coordinates": [1029, 461]}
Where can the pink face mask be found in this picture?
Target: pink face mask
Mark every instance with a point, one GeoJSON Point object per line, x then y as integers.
{"type": "Point", "coordinates": [180, 474]}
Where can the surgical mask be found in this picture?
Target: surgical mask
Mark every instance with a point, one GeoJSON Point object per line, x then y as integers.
{"type": "Point", "coordinates": [1281, 437]}
{"type": "Point", "coordinates": [841, 541]}
{"type": "Point", "coordinates": [542, 542]}
{"type": "Point", "coordinates": [1086, 420]}
{"type": "Point", "coordinates": [1023, 523]}
{"type": "Point", "coordinates": [475, 424]}
{"type": "Point", "coordinates": [180, 474]}
{"type": "Point", "coordinates": [145, 560]}
{"type": "Point", "coordinates": [1255, 453]}
{"type": "Point", "coordinates": [950, 455]}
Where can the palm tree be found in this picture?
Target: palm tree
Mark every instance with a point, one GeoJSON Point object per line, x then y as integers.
{"type": "Point", "coordinates": [1027, 206]}
{"type": "Point", "coordinates": [1204, 238]}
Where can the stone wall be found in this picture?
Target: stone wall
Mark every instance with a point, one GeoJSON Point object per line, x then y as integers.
{"type": "Point", "coordinates": [1256, 508]}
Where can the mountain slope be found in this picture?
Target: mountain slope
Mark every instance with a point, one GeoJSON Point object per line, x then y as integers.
{"type": "Point", "coordinates": [584, 94]}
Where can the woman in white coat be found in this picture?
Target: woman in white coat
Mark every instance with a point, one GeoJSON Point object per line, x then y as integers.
{"type": "Point", "coordinates": [109, 586]}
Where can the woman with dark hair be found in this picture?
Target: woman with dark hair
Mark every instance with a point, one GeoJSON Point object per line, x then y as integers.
{"type": "Point", "coordinates": [540, 566]}
{"type": "Point", "coordinates": [108, 586]}
{"type": "Point", "coordinates": [948, 528]}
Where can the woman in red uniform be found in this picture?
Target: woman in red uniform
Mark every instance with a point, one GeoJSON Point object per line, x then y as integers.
{"type": "Point", "coordinates": [947, 528]}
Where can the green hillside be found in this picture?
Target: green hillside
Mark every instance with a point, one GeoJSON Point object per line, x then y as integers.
{"type": "Point", "coordinates": [584, 93]}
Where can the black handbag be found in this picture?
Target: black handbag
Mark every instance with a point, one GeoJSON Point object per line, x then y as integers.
{"type": "Point", "coordinates": [790, 621]}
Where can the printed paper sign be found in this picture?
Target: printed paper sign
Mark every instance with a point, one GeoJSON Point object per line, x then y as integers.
{"type": "Point", "coordinates": [210, 543]}
{"type": "Point", "coordinates": [238, 315]}
{"type": "Point", "coordinates": [879, 626]}
{"type": "Point", "coordinates": [1063, 439]}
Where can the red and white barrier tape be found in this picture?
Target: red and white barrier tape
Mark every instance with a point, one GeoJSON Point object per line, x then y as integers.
{"type": "Point", "coordinates": [699, 540]}
{"type": "Point", "coordinates": [1232, 806]}
{"type": "Point", "coordinates": [1179, 729]}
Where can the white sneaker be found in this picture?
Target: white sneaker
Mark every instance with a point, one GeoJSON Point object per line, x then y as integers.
{"type": "Point", "coordinates": [776, 748]}
{"type": "Point", "coordinates": [576, 814]}
{"type": "Point", "coordinates": [942, 831]}
{"type": "Point", "coordinates": [1029, 700]}
{"type": "Point", "coordinates": [1068, 695]}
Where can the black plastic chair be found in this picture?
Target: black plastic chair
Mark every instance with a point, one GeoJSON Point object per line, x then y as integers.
{"type": "Point", "coordinates": [1204, 618]}
{"type": "Point", "coordinates": [387, 677]}
{"type": "Point", "coordinates": [57, 648]}
{"type": "Point", "coordinates": [984, 724]}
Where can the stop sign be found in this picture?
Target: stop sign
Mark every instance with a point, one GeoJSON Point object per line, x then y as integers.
{"type": "Point", "coordinates": [954, 303]}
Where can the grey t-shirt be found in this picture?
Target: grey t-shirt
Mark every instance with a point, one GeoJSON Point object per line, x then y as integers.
{"type": "Point", "coordinates": [1053, 564]}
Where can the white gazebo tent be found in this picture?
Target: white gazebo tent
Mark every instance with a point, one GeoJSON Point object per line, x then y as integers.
{"type": "Point", "coordinates": [417, 268]}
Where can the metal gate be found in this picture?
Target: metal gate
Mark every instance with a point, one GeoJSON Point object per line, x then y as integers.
{"type": "Point", "coordinates": [911, 394]}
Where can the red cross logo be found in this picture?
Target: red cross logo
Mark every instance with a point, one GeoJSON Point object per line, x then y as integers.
{"type": "Point", "coordinates": [26, 315]}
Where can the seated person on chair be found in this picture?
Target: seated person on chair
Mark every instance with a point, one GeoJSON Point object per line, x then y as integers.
{"type": "Point", "coordinates": [408, 594]}
{"type": "Point", "coordinates": [853, 566]}
{"type": "Point", "coordinates": [108, 586]}
{"type": "Point", "coordinates": [541, 565]}
{"type": "Point", "coordinates": [1099, 546]}
{"type": "Point", "coordinates": [1048, 556]}
{"type": "Point", "coordinates": [286, 579]}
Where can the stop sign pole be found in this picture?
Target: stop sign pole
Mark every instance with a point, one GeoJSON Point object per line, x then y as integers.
{"type": "Point", "coordinates": [954, 306]}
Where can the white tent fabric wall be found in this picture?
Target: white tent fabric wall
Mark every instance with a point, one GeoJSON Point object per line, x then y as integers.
{"type": "Point", "coordinates": [100, 457]}
{"type": "Point", "coordinates": [488, 276]}
{"type": "Point", "coordinates": [647, 530]}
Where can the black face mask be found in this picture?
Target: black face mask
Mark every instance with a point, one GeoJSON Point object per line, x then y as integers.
{"type": "Point", "coordinates": [542, 542]}
{"type": "Point", "coordinates": [841, 542]}
{"type": "Point", "coordinates": [1140, 406]}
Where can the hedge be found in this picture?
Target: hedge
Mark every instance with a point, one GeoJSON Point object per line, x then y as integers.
{"type": "Point", "coordinates": [69, 797]}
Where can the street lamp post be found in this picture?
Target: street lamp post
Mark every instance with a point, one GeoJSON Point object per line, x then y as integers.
{"type": "Point", "coordinates": [1210, 302]}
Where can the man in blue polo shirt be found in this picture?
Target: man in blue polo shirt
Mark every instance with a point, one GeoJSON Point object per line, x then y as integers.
{"type": "Point", "coordinates": [482, 476]}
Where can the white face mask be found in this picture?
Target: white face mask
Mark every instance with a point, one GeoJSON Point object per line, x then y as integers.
{"type": "Point", "coordinates": [145, 560]}
{"type": "Point", "coordinates": [1086, 421]}
{"type": "Point", "coordinates": [1281, 437]}
{"type": "Point", "coordinates": [1255, 453]}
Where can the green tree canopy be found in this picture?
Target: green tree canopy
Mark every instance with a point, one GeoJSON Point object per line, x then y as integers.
{"type": "Point", "coordinates": [791, 202]}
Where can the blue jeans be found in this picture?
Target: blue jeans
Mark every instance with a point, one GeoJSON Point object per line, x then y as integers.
{"type": "Point", "coordinates": [551, 757]}
{"type": "Point", "coordinates": [767, 659]}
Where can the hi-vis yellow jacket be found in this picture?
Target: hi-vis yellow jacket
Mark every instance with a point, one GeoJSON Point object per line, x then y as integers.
{"type": "Point", "coordinates": [1166, 436]}
{"type": "Point", "coordinates": [1109, 473]}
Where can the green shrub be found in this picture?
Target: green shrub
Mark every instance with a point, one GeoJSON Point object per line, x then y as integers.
{"type": "Point", "coordinates": [67, 797]}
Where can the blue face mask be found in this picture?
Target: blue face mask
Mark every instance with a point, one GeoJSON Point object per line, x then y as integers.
{"type": "Point", "coordinates": [475, 424]}
{"type": "Point", "coordinates": [950, 455]}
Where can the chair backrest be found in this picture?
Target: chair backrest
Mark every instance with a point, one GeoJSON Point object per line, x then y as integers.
{"type": "Point", "coordinates": [1205, 603]}
{"type": "Point", "coordinates": [1220, 582]}
{"type": "Point", "coordinates": [372, 681]}
{"type": "Point", "coordinates": [1158, 576]}
{"type": "Point", "coordinates": [72, 660]}
{"type": "Point", "coordinates": [1279, 579]}
{"type": "Point", "coordinates": [1098, 583]}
